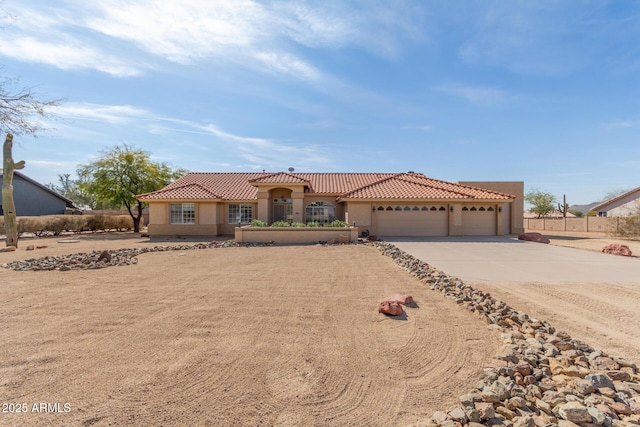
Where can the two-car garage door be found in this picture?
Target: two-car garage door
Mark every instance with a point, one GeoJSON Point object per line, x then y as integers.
{"type": "Point", "coordinates": [412, 220]}
{"type": "Point", "coordinates": [419, 220]}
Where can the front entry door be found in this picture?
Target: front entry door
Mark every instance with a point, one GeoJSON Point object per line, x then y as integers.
{"type": "Point", "coordinates": [282, 212]}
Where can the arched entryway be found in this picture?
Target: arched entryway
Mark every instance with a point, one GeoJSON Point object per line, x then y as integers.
{"type": "Point", "coordinates": [281, 204]}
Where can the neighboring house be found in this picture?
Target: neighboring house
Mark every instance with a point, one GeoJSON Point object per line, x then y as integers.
{"type": "Point", "coordinates": [33, 199]}
{"type": "Point", "coordinates": [384, 204]}
{"type": "Point", "coordinates": [621, 205]}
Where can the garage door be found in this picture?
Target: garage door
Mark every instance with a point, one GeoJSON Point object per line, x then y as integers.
{"type": "Point", "coordinates": [412, 220]}
{"type": "Point", "coordinates": [479, 221]}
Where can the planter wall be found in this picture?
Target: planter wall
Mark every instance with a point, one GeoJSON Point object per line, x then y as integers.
{"type": "Point", "coordinates": [295, 235]}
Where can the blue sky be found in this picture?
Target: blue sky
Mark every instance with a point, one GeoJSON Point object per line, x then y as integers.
{"type": "Point", "coordinates": [545, 92]}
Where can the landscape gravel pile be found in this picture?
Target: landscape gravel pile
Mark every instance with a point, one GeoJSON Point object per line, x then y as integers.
{"type": "Point", "coordinates": [542, 377]}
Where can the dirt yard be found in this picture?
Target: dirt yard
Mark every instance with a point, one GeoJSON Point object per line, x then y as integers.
{"type": "Point", "coordinates": [286, 336]}
{"type": "Point", "coordinates": [605, 315]}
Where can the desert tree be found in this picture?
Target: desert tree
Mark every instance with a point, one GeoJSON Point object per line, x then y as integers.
{"type": "Point", "coordinates": [541, 203]}
{"type": "Point", "coordinates": [121, 173]}
{"type": "Point", "coordinates": [20, 113]}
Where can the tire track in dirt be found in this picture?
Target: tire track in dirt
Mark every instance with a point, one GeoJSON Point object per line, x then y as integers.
{"type": "Point", "coordinates": [599, 314]}
{"type": "Point", "coordinates": [239, 336]}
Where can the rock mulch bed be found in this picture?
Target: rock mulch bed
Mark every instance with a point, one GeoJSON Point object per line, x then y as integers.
{"type": "Point", "coordinates": [97, 259]}
{"type": "Point", "coordinates": [543, 377]}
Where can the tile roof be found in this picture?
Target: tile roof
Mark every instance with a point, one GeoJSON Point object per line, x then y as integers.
{"type": "Point", "coordinates": [244, 186]}
{"type": "Point", "coordinates": [417, 186]}
{"type": "Point", "coordinates": [279, 178]}
{"type": "Point", "coordinates": [188, 191]}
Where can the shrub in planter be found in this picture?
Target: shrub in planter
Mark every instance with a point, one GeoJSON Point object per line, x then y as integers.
{"type": "Point", "coordinates": [337, 223]}
{"type": "Point", "coordinates": [281, 224]}
{"type": "Point", "coordinates": [258, 223]}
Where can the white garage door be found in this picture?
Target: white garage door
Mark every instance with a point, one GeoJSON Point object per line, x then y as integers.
{"type": "Point", "coordinates": [412, 220]}
{"type": "Point", "coordinates": [478, 221]}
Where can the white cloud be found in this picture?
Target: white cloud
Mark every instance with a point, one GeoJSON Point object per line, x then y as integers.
{"type": "Point", "coordinates": [112, 114]}
{"type": "Point", "coordinates": [109, 36]}
{"type": "Point", "coordinates": [487, 96]}
{"type": "Point", "coordinates": [65, 55]}
{"type": "Point", "coordinates": [623, 124]}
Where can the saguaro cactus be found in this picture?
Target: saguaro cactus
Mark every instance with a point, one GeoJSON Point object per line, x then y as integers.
{"type": "Point", "coordinates": [564, 207]}
{"type": "Point", "coordinates": [8, 206]}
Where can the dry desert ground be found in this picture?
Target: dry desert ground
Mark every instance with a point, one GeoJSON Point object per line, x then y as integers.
{"type": "Point", "coordinates": [280, 335]}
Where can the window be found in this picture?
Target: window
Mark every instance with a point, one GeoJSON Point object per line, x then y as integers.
{"type": "Point", "coordinates": [320, 212]}
{"type": "Point", "coordinates": [240, 213]}
{"type": "Point", "coordinates": [182, 213]}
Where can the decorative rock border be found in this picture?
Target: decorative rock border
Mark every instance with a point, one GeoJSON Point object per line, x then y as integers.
{"type": "Point", "coordinates": [120, 257]}
{"type": "Point", "coordinates": [545, 377]}
{"type": "Point", "coordinates": [542, 377]}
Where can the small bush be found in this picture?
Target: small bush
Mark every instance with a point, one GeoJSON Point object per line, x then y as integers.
{"type": "Point", "coordinates": [281, 224]}
{"type": "Point", "coordinates": [123, 223]}
{"type": "Point", "coordinates": [258, 223]}
{"type": "Point", "coordinates": [313, 224]}
{"type": "Point", "coordinates": [337, 223]}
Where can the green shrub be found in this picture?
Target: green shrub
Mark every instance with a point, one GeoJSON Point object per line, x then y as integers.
{"type": "Point", "coordinates": [281, 224]}
{"type": "Point", "coordinates": [258, 223]}
{"type": "Point", "coordinates": [313, 224]}
{"type": "Point", "coordinates": [337, 223]}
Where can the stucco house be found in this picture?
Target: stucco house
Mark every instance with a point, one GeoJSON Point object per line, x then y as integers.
{"type": "Point", "coordinates": [33, 199]}
{"type": "Point", "coordinates": [621, 205]}
{"type": "Point", "coordinates": [384, 204]}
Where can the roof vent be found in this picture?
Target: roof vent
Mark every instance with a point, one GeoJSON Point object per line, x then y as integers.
{"type": "Point", "coordinates": [411, 172]}
{"type": "Point", "coordinates": [291, 169]}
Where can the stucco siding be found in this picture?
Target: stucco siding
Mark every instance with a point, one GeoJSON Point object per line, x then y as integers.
{"type": "Point", "coordinates": [207, 213]}
{"type": "Point", "coordinates": [360, 213]}
{"type": "Point", "coordinates": [516, 188]}
{"type": "Point", "coordinates": [183, 229]}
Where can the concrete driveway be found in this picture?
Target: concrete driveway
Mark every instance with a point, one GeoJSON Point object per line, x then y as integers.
{"type": "Point", "coordinates": [507, 259]}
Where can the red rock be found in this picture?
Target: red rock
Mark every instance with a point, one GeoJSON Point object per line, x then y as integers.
{"type": "Point", "coordinates": [105, 256]}
{"type": "Point", "coordinates": [533, 237]}
{"type": "Point", "coordinates": [617, 249]}
{"type": "Point", "coordinates": [392, 308]}
{"type": "Point", "coordinates": [402, 299]}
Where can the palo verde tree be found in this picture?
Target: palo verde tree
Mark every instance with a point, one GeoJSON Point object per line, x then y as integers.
{"type": "Point", "coordinates": [19, 114]}
{"type": "Point", "coordinates": [123, 172]}
{"type": "Point", "coordinates": [541, 203]}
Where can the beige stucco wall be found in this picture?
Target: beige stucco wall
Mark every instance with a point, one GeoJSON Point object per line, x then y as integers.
{"type": "Point", "coordinates": [517, 206]}
{"type": "Point", "coordinates": [586, 224]}
{"type": "Point", "coordinates": [207, 215]}
{"type": "Point", "coordinates": [295, 235]}
{"type": "Point", "coordinates": [360, 213]}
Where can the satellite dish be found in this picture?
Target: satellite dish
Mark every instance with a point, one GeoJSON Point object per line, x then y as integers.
{"type": "Point", "coordinates": [291, 169]}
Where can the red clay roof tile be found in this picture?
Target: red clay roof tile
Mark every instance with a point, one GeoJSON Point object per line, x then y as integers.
{"type": "Point", "coordinates": [244, 186]}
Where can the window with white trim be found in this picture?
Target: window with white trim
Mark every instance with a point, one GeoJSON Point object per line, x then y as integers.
{"type": "Point", "coordinates": [320, 212]}
{"type": "Point", "coordinates": [240, 213]}
{"type": "Point", "coordinates": [182, 213]}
